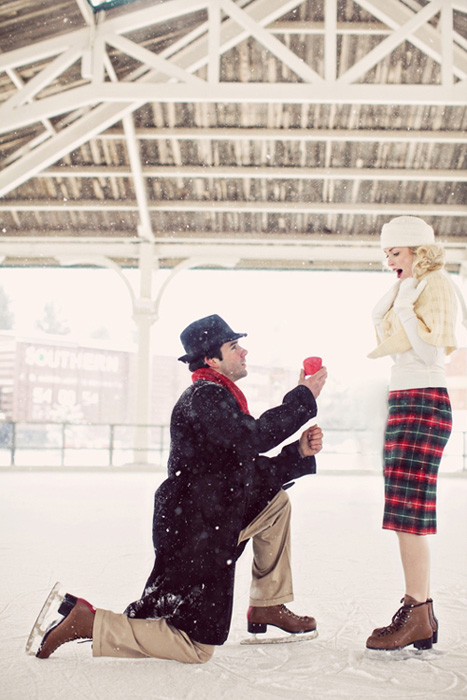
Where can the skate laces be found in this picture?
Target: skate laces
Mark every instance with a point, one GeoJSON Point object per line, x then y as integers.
{"type": "Point", "coordinates": [285, 611]}
{"type": "Point", "coordinates": [398, 620]}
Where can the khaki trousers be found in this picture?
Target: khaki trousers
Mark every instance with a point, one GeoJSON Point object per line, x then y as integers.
{"type": "Point", "coordinates": [117, 635]}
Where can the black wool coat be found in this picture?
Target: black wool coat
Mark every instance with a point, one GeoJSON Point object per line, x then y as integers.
{"type": "Point", "coordinates": [218, 481]}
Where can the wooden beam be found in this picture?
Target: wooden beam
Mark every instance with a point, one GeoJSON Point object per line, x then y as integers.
{"type": "Point", "coordinates": [260, 252]}
{"type": "Point", "coordinates": [137, 94]}
{"type": "Point", "coordinates": [267, 134]}
{"type": "Point", "coordinates": [255, 173]}
{"type": "Point", "coordinates": [241, 207]}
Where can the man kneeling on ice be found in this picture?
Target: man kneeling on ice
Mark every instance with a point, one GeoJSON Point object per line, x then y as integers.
{"type": "Point", "coordinates": [220, 492]}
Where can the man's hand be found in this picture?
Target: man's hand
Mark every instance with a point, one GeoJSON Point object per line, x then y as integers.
{"type": "Point", "coordinates": [311, 441]}
{"type": "Point", "coordinates": [315, 382]}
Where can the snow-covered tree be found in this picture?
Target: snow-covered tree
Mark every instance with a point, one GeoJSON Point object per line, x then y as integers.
{"type": "Point", "coordinates": [52, 320]}
{"type": "Point", "coordinates": [7, 317]}
{"type": "Point", "coordinates": [100, 333]}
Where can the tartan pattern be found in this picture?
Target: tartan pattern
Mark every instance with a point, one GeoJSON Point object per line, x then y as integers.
{"type": "Point", "coordinates": [418, 428]}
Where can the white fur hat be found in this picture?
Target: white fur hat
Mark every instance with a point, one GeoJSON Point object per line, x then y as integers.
{"type": "Point", "coordinates": [406, 232]}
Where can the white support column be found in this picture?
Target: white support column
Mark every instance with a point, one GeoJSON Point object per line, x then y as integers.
{"type": "Point", "coordinates": [463, 314]}
{"type": "Point", "coordinates": [144, 316]}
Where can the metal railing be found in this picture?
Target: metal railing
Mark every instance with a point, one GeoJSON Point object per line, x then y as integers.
{"type": "Point", "coordinates": [115, 446]}
{"type": "Point", "coordinates": [69, 445]}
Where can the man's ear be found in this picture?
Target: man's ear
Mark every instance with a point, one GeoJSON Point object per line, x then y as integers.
{"type": "Point", "coordinates": [211, 362]}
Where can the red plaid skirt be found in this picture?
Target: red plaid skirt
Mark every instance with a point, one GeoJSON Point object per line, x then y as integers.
{"type": "Point", "coordinates": [418, 428]}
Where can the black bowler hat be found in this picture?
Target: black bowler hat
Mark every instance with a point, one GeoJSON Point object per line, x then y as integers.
{"type": "Point", "coordinates": [205, 334]}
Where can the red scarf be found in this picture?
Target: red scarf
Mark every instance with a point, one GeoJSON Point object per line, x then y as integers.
{"type": "Point", "coordinates": [211, 375]}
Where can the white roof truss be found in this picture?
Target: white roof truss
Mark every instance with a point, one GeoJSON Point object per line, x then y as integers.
{"type": "Point", "coordinates": [189, 70]}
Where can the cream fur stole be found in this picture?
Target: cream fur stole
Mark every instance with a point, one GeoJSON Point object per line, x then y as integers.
{"type": "Point", "coordinates": [435, 308]}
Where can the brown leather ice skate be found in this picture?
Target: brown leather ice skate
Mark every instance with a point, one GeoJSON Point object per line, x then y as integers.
{"type": "Point", "coordinates": [433, 620]}
{"type": "Point", "coordinates": [410, 625]}
{"type": "Point", "coordinates": [278, 616]}
{"type": "Point", "coordinates": [77, 623]}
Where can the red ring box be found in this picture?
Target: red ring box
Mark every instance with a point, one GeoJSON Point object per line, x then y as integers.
{"type": "Point", "coordinates": [312, 364]}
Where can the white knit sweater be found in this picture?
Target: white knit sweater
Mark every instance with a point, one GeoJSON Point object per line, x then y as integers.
{"type": "Point", "coordinates": [419, 364]}
{"type": "Point", "coordinates": [410, 371]}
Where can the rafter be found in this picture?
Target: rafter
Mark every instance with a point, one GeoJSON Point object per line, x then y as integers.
{"type": "Point", "coordinates": [255, 172]}
{"type": "Point", "coordinates": [428, 39]}
{"type": "Point", "coordinates": [58, 66]}
{"type": "Point", "coordinates": [391, 42]}
{"type": "Point", "coordinates": [214, 42]}
{"type": "Point", "coordinates": [190, 71]}
{"type": "Point", "coordinates": [152, 60]}
{"type": "Point", "coordinates": [276, 47]}
{"type": "Point", "coordinates": [239, 207]}
{"type": "Point", "coordinates": [270, 134]}
{"type": "Point", "coordinates": [330, 41]}
{"type": "Point", "coordinates": [137, 94]}
{"type": "Point", "coordinates": [299, 250]}
{"type": "Point", "coordinates": [448, 44]}
{"type": "Point", "coordinates": [190, 57]}
{"type": "Point", "coordinates": [86, 96]}
{"type": "Point", "coordinates": [319, 28]}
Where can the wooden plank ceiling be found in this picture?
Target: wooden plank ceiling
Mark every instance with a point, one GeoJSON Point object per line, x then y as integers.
{"type": "Point", "coordinates": [281, 133]}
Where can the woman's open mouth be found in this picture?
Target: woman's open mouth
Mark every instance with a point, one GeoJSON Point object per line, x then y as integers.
{"type": "Point", "coordinates": [398, 273]}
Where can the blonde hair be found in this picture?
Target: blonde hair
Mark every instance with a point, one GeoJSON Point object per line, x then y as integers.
{"type": "Point", "coordinates": [428, 258]}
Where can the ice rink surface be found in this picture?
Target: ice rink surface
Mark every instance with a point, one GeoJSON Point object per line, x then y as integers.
{"type": "Point", "coordinates": [92, 531]}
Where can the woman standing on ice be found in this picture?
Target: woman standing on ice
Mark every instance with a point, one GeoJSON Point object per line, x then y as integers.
{"type": "Point", "coordinates": [415, 324]}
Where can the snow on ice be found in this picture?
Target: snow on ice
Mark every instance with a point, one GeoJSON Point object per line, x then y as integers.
{"type": "Point", "coordinates": [92, 531]}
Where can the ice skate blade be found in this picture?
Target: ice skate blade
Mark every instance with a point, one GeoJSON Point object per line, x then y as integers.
{"type": "Point", "coordinates": [402, 654]}
{"type": "Point", "coordinates": [287, 639]}
{"type": "Point", "coordinates": [43, 621]}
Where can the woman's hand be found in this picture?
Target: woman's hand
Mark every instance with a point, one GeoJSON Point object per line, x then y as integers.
{"type": "Point", "coordinates": [408, 294]}
{"type": "Point", "coordinates": [384, 304]}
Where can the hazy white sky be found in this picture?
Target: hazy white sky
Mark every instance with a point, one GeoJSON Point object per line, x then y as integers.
{"type": "Point", "coordinates": [287, 314]}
